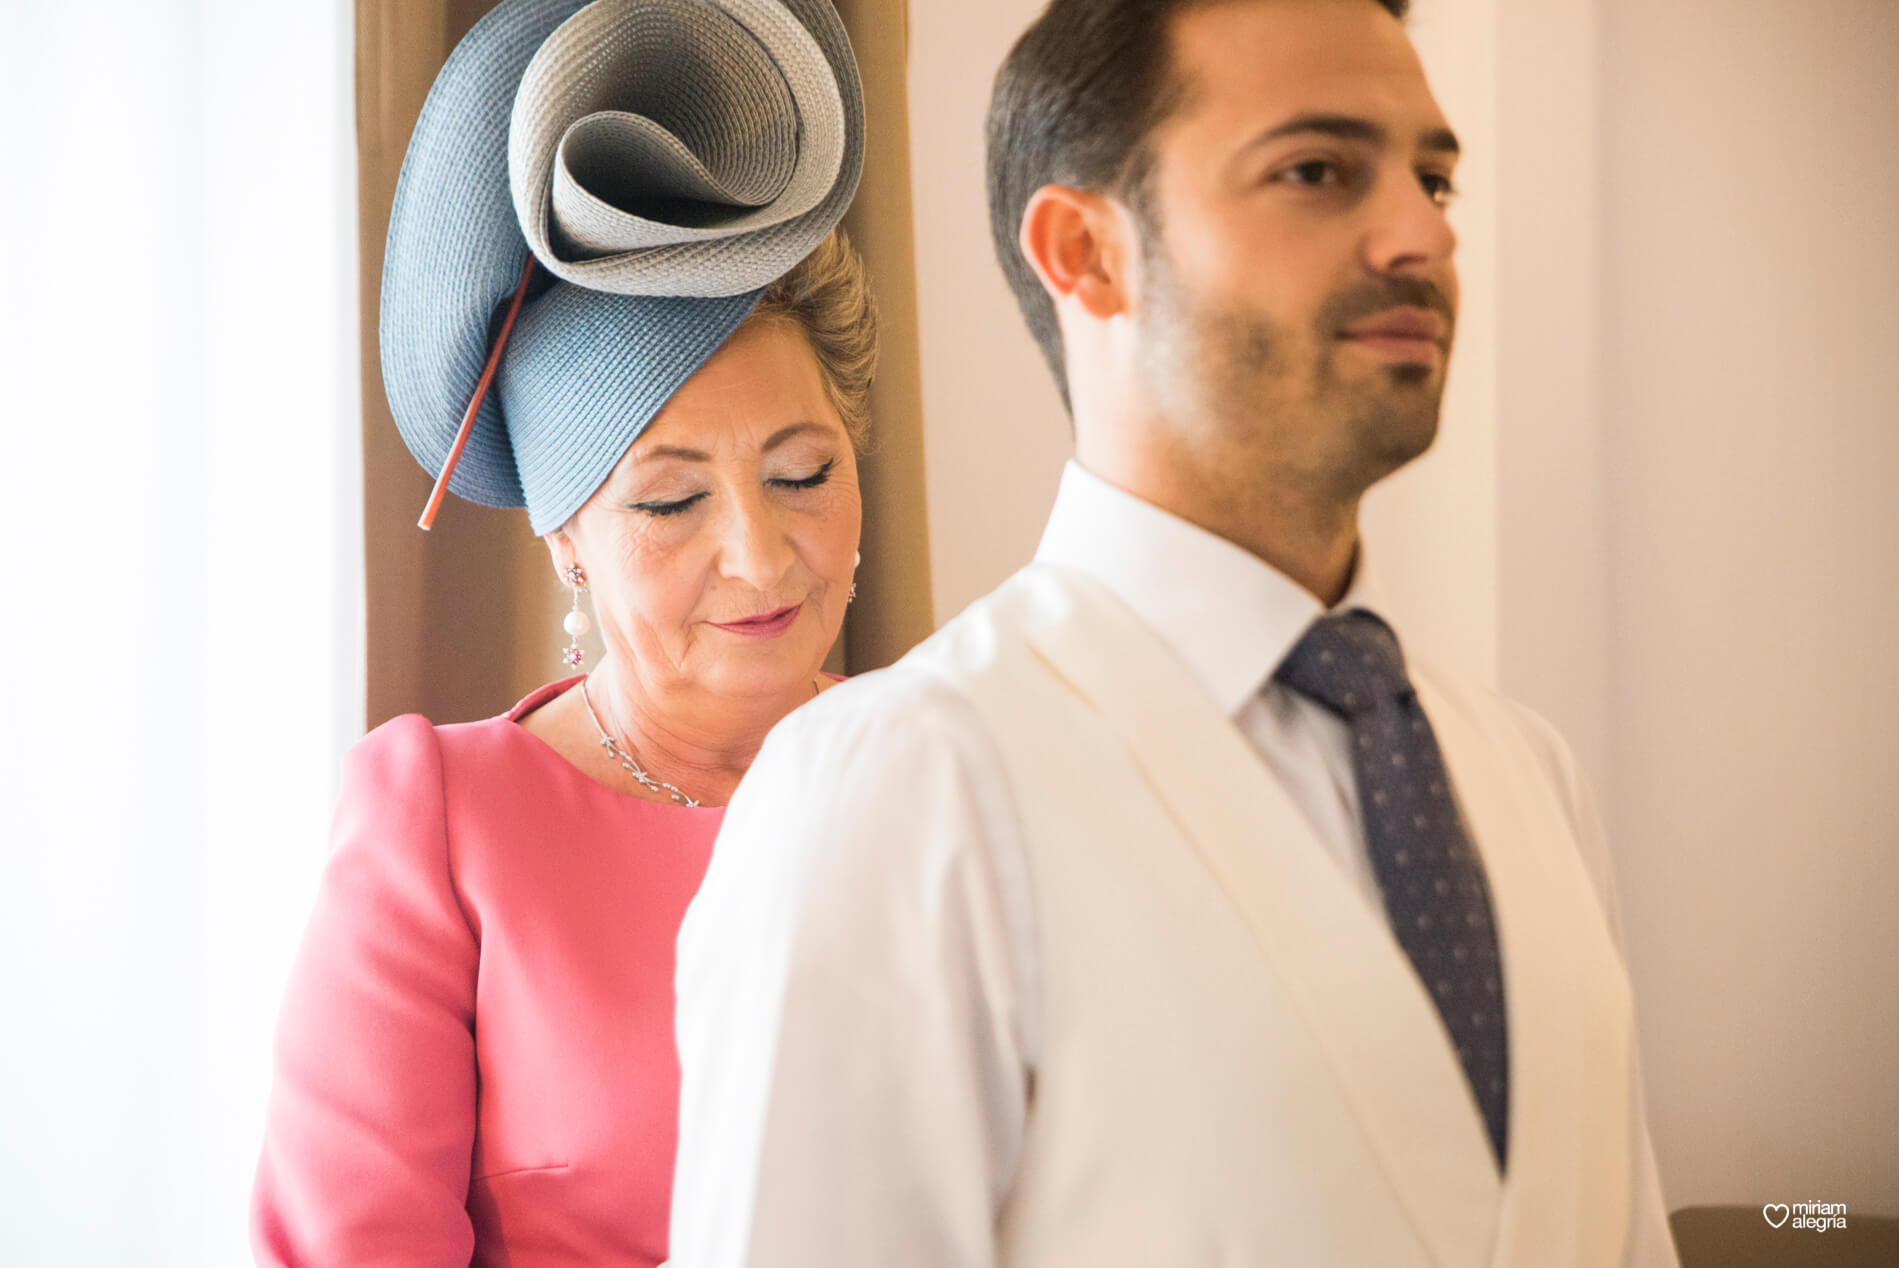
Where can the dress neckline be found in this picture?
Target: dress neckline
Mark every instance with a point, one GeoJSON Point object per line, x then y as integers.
{"type": "Point", "coordinates": [547, 692]}
{"type": "Point", "coordinates": [542, 695]}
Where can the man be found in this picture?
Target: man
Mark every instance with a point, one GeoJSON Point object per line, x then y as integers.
{"type": "Point", "coordinates": [1157, 911]}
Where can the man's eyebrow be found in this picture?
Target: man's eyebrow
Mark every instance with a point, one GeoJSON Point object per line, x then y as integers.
{"type": "Point", "coordinates": [1347, 127]}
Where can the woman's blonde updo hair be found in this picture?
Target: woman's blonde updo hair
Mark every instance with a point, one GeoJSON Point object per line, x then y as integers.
{"type": "Point", "coordinates": [827, 297]}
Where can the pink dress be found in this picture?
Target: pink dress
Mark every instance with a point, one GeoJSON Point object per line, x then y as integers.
{"type": "Point", "coordinates": [475, 1058]}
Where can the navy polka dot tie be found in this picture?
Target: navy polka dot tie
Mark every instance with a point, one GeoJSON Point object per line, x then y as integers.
{"type": "Point", "coordinates": [1434, 887]}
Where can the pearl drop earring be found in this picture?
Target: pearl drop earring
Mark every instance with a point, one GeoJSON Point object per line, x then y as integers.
{"type": "Point", "coordinates": [857, 559]}
{"type": "Point", "coordinates": [575, 622]}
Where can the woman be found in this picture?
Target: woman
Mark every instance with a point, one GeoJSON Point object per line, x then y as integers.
{"type": "Point", "coordinates": [475, 1058]}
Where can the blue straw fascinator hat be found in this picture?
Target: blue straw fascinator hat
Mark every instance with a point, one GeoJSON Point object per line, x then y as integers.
{"type": "Point", "coordinates": [593, 200]}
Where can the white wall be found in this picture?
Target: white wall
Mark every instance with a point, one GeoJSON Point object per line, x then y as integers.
{"type": "Point", "coordinates": [1553, 610]}
{"type": "Point", "coordinates": [994, 432]}
{"type": "Point", "coordinates": [1750, 237]}
{"type": "Point", "coordinates": [1431, 531]}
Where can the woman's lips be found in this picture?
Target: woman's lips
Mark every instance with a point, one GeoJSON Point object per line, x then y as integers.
{"type": "Point", "coordinates": [770, 625]}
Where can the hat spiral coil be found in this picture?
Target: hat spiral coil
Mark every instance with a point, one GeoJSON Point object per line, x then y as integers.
{"type": "Point", "coordinates": [664, 160]}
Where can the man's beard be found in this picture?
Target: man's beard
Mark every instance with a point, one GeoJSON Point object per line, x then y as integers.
{"type": "Point", "coordinates": [1229, 374]}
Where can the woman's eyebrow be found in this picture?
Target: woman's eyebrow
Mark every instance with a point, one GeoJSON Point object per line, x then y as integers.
{"type": "Point", "coordinates": [673, 451]}
{"type": "Point", "coordinates": [783, 434]}
{"type": "Point", "coordinates": [776, 439]}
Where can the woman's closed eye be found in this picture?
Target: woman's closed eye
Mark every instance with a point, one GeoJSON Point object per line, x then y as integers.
{"type": "Point", "coordinates": [811, 481]}
{"type": "Point", "coordinates": [661, 508]}
{"type": "Point", "coordinates": [668, 508]}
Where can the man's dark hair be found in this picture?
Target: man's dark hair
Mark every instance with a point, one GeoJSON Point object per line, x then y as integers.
{"type": "Point", "coordinates": [1074, 104]}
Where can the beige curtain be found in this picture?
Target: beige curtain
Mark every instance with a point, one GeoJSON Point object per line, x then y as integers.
{"type": "Point", "coordinates": [465, 619]}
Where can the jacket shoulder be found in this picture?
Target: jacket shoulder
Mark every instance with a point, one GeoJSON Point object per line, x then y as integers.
{"type": "Point", "coordinates": [397, 761]}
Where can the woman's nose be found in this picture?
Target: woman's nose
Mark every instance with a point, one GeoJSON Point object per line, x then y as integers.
{"type": "Point", "coordinates": [755, 548]}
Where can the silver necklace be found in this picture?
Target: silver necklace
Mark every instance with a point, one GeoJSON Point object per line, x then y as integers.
{"type": "Point", "coordinates": [633, 768]}
{"type": "Point", "coordinates": [626, 761]}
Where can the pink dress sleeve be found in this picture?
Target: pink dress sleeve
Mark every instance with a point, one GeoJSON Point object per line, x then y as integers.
{"type": "Point", "coordinates": [371, 1122]}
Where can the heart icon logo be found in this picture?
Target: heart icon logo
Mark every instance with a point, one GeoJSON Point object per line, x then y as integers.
{"type": "Point", "coordinates": [1767, 1213]}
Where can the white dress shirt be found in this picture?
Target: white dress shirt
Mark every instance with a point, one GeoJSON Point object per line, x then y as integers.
{"type": "Point", "coordinates": [858, 1022]}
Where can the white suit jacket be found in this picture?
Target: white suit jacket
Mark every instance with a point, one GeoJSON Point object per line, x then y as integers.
{"type": "Point", "coordinates": [1234, 1063]}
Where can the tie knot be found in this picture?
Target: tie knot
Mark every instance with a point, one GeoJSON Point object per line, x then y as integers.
{"type": "Point", "coordinates": [1350, 663]}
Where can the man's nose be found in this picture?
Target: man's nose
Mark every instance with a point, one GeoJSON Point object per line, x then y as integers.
{"type": "Point", "coordinates": [1411, 233]}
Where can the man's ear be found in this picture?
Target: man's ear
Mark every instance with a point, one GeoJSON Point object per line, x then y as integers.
{"type": "Point", "coordinates": [1078, 244]}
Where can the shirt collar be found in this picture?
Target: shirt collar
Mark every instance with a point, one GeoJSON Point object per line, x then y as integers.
{"type": "Point", "coordinates": [1227, 614]}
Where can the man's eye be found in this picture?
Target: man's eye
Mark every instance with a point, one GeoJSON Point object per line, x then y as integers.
{"type": "Point", "coordinates": [1313, 173]}
{"type": "Point", "coordinates": [1438, 186]}
{"type": "Point", "coordinates": [668, 508]}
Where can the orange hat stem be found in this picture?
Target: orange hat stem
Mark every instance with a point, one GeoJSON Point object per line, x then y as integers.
{"type": "Point", "coordinates": [481, 394]}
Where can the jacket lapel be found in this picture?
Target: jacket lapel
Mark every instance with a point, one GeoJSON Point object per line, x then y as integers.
{"type": "Point", "coordinates": [1356, 989]}
{"type": "Point", "coordinates": [1566, 1197]}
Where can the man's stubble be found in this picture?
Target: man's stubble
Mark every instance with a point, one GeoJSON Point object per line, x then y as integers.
{"type": "Point", "coordinates": [1253, 400]}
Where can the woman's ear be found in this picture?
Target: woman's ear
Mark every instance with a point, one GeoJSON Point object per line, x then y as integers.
{"type": "Point", "coordinates": [561, 547]}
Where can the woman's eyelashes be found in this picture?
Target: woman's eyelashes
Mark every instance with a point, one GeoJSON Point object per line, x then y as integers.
{"type": "Point", "coordinates": [811, 481]}
{"type": "Point", "coordinates": [668, 508]}
{"type": "Point", "coordinates": [660, 508]}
